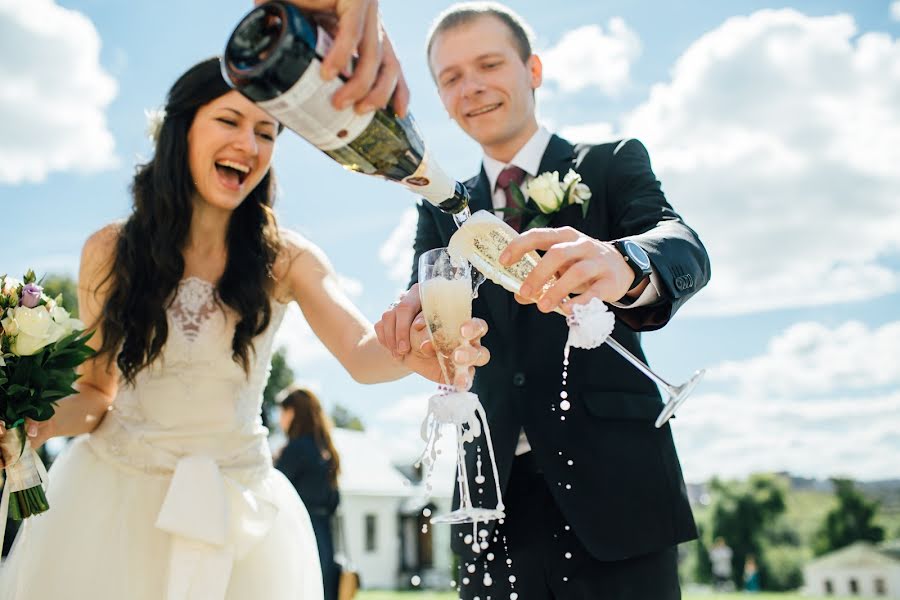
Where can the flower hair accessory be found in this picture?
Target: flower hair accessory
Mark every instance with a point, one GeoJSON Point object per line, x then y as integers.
{"type": "Point", "coordinates": [551, 195]}
{"type": "Point", "coordinates": [155, 118]}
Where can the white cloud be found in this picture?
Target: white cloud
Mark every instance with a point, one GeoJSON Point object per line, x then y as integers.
{"type": "Point", "coordinates": [895, 10]}
{"type": "Point", "coordinates": [776, 139]}
{"type": "Point", "coordinates": [809, 358]}
{"type": "Point", "coordinates": [607, 64]}
{"type": "Point", "coordinates": [302, 347]}
{"type": "Point", "coordinates": [819, 402]}
{"type": "Point", "coordinates": [397, 251]}
{"type": "Point", "coordinates": [352, 287]}
{"type": "Point", "coordinates": [54, 93]}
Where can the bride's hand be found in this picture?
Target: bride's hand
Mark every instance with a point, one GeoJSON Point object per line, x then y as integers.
{"type": "Point", "coordinates": [423, 359]}
{"type": "Point", "coordinates": [37, 432]}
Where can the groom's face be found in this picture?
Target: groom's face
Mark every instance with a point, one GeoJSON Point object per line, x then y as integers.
{"type": "Point", "coordinates": [484, 84]}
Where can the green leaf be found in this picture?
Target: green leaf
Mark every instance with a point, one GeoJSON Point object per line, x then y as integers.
{"type": "Point", "coordinates": [584, 208]}
{"type": "Point", "coordinates": [517, 195]}
{"type": "Point", "coordinates": [540, 220]}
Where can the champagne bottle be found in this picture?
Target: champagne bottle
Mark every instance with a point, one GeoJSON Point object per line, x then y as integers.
{"type": "Point", "coordinates": [273, 57]}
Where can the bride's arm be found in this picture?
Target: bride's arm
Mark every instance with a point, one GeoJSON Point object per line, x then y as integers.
{"type": "Point", "coordinates": [97, 385]}
{"type": "Point", "coordinates": [347, 334]}
{"type": "Point", "coordinates": [350, 337]}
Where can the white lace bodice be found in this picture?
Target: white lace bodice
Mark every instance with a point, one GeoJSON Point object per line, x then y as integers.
{"type": "Point", "coordinates": [194, 400]}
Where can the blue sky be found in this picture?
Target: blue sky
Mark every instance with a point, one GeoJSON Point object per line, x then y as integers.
{"type": "Point", "coordinates": [773, 126]}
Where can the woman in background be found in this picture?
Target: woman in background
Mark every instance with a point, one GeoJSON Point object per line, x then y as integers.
{"type": "Point", "coordinates": [311, 464]}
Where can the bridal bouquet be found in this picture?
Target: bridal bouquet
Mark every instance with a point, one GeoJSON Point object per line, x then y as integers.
{"type": "Point", "coordinates": [40, 347]}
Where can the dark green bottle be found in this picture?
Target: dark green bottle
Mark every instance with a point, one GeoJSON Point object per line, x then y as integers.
{"type": "Point", "coordinates": [273, 57]}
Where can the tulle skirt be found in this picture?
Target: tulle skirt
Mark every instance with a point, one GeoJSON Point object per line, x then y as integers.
{"type": "Point", "coordinates": [99, 541]}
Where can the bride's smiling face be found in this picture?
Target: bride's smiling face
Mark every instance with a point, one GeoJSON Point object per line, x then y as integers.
{"type": "Point", "coordinates": [230, 147]}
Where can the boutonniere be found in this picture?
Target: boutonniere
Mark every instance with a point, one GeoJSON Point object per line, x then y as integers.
{"type": "Point", "coordinates": [550, 195]}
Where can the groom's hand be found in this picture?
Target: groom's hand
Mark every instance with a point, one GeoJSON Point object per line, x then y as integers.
{"type": "Point", "coordinates": [581, 264]}
{"type": "Point", "coordinates": [398, 321]}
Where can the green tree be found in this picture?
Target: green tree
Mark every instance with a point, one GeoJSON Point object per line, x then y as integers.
{"type": "Point", "coordinates": [702, 570]}
{"type": "Point", "coordinates": [54, 284]}
{"type": "Point", "coordinates": [280, 377]}
{"type": "Point", "coordinates": [740, 512]}
{"type": "Point", "coordinates": [850, 521]}
{"type": "Point", "coordinates": [343, 418]}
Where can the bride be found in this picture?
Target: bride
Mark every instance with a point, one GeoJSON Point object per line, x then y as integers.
{"type": "Point", "coordinates": [171, 493]}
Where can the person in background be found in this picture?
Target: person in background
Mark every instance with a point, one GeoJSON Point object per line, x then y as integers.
{"type": "Point", "coordinates": [720, 556]}
{"type": "Point", "coordinates": [751, 574]}
{"type": "Point", "coordinates": [312, 465]}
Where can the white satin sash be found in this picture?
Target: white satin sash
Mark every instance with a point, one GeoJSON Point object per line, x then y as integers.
{"type": "Point", "coordinates": [213, 521]}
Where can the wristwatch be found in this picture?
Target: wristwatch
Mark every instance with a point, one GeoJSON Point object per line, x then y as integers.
{"type": "Point", "coordinates": [636, 258]}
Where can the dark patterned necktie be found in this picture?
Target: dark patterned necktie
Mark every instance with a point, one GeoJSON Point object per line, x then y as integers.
{"type": "Point", "coordinates": [507, 176]}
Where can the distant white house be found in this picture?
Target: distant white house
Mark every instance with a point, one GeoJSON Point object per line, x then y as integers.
{"type": "Point", "coordinates": [861, 569]}
{"type": "Point", "coordinates": [387, 536]}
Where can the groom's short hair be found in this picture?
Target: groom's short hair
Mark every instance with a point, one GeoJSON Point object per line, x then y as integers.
{"type": "Point", "coordinates": [467, 12]}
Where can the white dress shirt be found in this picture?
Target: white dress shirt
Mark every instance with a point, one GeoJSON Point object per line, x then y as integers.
{"type": "Point", "coordinates": [528, 158]}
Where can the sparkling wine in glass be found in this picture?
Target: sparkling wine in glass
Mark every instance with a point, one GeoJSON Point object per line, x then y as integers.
{"type": "Point", "coordinates": [445, 289]}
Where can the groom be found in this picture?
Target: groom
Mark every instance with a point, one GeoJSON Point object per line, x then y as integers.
{"type": "Point", "coordinates": [595, 503]}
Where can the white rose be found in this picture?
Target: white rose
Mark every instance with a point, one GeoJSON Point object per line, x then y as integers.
{"type": "Point", "coordinates": [10, 327]}
{"type": "Point", "coordinates": [577, 191]}
{"type": "Point", "coordinates": [546, 192]}
{"type": "Point", "coordinates": [36, 330]}
{"type": "Point", "coordinates": [10, 284]}
{"type": "Point", "coordinates": [65, 322]}
{"type": "Point", "coordinates": [580, 194]}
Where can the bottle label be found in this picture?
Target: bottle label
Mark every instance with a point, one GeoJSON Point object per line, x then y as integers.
{"type": "Point", "coordinates": [430, 181]}
{"type": "Point", "coordinates": [306, 109]}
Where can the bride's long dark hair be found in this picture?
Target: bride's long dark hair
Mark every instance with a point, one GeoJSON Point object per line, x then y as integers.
{"type": "Point", "coordinates": [149, 265]}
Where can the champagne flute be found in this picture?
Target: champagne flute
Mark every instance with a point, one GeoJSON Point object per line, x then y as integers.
{"type": "Point", "coordinates": [445, 290]}
{"type": "Point", "coordinates": [484, 237]}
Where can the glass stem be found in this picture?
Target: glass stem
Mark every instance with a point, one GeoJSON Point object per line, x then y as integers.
{"type": "Point", "coordinates": [641, 366]}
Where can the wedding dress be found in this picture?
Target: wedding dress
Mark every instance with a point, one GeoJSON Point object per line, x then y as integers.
{"type": "Point", "coordinates": [173, 496]}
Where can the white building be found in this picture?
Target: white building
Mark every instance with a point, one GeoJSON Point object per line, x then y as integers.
{"type": "Point", "coordinates": [381, 513]}
{"type": "Point", "coordinates": [861, 569]}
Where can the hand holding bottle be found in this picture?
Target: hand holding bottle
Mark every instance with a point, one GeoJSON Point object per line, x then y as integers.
{"type": "Point", "coordinates": [356, 28]}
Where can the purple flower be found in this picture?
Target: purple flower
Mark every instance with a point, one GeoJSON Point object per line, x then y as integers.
{"type": "Point", "coordinates": [31, 295]}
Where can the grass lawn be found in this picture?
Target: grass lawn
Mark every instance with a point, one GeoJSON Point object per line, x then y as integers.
{"type": "Point", "coordinates": [451, 596]}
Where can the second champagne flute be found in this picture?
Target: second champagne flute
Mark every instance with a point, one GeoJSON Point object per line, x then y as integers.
{"type": "Point", "coordinates": [445, 289]}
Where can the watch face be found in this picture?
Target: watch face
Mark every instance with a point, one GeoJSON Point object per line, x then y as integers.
{"type": "Point", "coordinates": [637, 254]}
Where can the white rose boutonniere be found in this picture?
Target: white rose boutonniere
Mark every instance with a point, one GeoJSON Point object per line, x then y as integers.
{"type": "Point", "coordinates": [551, 195]}
{"type": "Point", "coordinates": [546, 191]}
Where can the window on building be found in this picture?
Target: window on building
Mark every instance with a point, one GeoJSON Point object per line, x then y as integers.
{"type": "Point", "coordinates": [829, 587]}
{"type": "Point", "coordinates": [371, 533]}
{"type": "Point", "coordinates": [854, 587]}
{"type": "Point", "coordinates": [880, 587]}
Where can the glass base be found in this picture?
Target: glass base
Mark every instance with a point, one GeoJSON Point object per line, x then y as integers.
{"type": "Point", "coordinates": [678, 398]}
{"type": "Point", "coordinates": [469, 515]}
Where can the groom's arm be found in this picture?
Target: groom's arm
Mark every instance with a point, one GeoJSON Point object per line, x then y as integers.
{"type": "Point", "coordinates": [638, 210]}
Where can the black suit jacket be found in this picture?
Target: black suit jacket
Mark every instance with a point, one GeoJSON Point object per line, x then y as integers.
{"type": "Point", "coordinates": [623, 494]}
